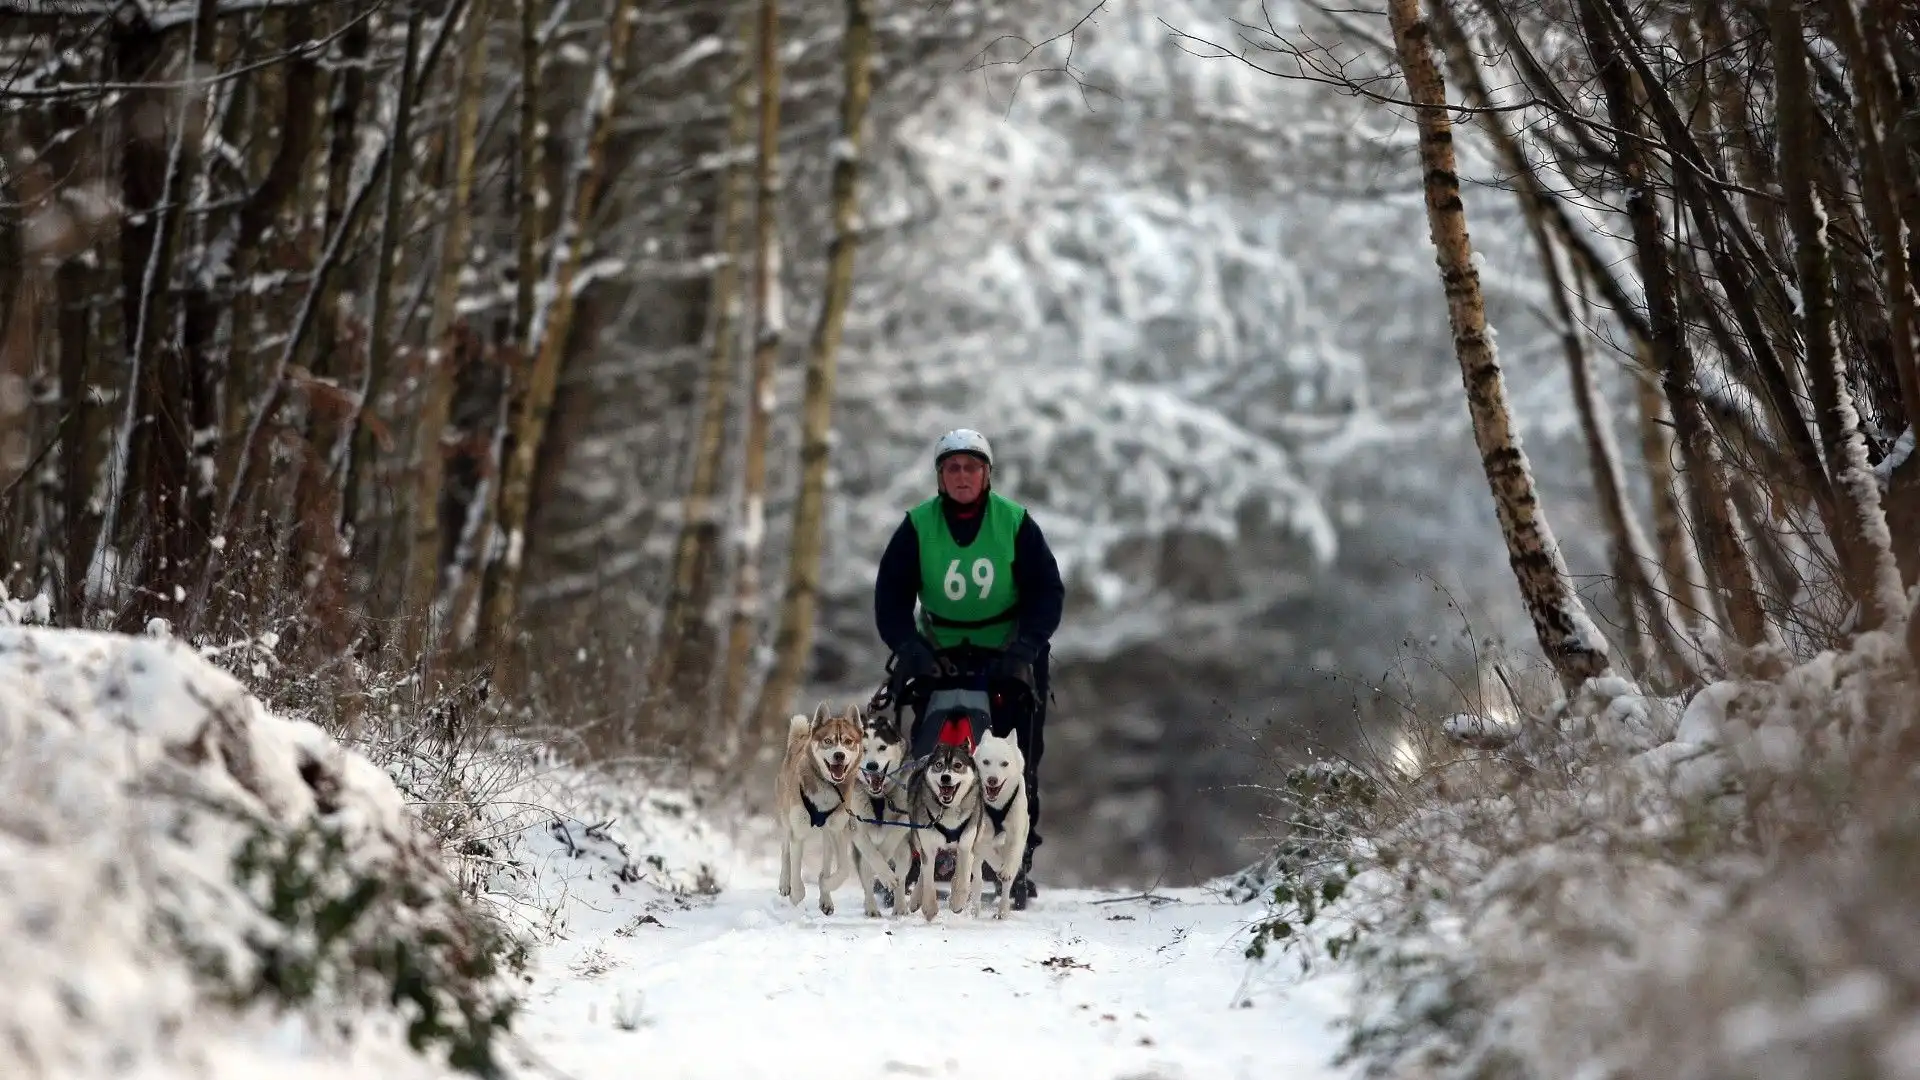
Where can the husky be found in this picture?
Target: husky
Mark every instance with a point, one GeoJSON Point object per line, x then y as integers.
{"type": "Point", "coordinates": [880, 814]}
{"type": "Point", "coordinates": [811, 796]}
{"type": "Point", "coordinates": [946, 813]}
{"type": "Point", "coordinates": [1001, 842]}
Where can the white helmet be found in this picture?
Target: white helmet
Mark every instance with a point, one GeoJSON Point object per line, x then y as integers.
{"type": "Point", "coordinates": [962, 441]}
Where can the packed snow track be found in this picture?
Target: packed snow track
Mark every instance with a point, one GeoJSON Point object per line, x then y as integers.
{"type": "Point", "coordinates": [1097, 985]}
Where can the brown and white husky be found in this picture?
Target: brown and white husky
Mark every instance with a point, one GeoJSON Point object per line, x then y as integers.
{"type": "Point", "coordinates": [811, 800]}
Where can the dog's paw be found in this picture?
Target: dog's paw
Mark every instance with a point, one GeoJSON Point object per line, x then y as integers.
{"type": "Point", "coordinates": [826, 905]}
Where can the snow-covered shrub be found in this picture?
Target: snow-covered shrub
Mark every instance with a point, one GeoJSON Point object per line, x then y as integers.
{"type": "Point", "coordinates": [1637, 887]}
{"type": "Point", "coordinates": [1328, 807]}
{"type": "Point", "coordinates": [174, 858]}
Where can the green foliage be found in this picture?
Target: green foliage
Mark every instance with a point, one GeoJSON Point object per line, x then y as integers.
{"type": "Point", "coordinates": [1311, 868]}
{"type": "Point", "coordinates": [334, 929]}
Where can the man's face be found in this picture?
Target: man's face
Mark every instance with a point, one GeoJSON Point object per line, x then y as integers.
{"type": "Point", "coordinates": [963, 477]}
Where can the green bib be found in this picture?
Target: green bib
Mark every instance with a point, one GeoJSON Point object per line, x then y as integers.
{"type": "Point", "coordinates": [967, 593]}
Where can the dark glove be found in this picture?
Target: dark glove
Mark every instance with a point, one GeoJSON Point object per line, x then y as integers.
{"type": "Point", "coordinates": [1015, 663]}
{"type": "Point", "coordinates": [914, 659]}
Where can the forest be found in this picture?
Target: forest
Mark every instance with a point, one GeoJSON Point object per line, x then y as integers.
{"type": "Point", "coordinates": [464, 364]}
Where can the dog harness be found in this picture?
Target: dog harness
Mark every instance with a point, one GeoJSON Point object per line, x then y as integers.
{"type": "Point", "coordinates": [953, 834]}
{"type": "Point", "coordinates": [999, 817]}
{"type": "Point", "coordinates": [818, 815]}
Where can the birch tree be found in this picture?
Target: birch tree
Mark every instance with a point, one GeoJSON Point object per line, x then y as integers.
{"type": "Point", "coordinates": [793, 647]}
{"type": "Point", "coordinates": [682, 665]}
{"type": "Point", "coordinates": [1866, 550]}
{"type": "Point", "coordinates": [1567, 636]}
{"type": "Point", "coordinates": [769, 331]}
{"type": "Point", "coordinates": [551, 325]}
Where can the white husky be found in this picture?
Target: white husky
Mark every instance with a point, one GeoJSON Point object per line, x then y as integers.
{"type": "Point", "coordinates": [1001, 842]}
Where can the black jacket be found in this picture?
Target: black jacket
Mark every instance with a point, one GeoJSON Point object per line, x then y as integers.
{"type": "Point", "coordinates": [1035, 573]}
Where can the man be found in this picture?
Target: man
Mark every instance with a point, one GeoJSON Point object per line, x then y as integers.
{"type": "Point", "coordinates": [986, 582]}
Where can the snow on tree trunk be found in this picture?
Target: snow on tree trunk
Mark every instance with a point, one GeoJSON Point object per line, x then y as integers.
{"type": "Point", "coordinates": [1875, 113]}
{"type": "Point", "coordinates": [1632, 556]}
{"type": "Point", "coordinates": [1679, 563]}
{"type": "Point", "coordinates": [1864, 545]}
{"type": "Point", "coordinates": [1728, 560]}
{"type": "Point", "coordinates": [552, 322]}
{"type": "Point", "coordinates": [1570, 640]}
{"type": "Point", "coordinates": [769, 329]}
{"type": "Point", "coordinates": [793, 645]}
{"type": "Point", "coordinates": [682, 665]}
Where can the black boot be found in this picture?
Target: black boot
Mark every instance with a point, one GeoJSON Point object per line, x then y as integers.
{"type": "Point", "coordinates": [1023, 886]}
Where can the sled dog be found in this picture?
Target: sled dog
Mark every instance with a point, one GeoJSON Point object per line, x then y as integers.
{"type": "Point", "coordinates": [1001, 842]}
{"type": "Point", "coordinates": [880, 813]}
{"type": "Point", "coordinates": [811, 796]}
{"type": "Point", "coordinates": [946, 814]}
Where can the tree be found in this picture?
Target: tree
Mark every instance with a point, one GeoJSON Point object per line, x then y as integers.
{"type": "Point", "coordinates": [769, 310]}
{"type": "Point", "coordinates": [1568, 637]}
{"type": "Point", "coordinates": [793, 646]}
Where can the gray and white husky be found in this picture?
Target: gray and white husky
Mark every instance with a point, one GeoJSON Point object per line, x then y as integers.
{"type": "Point", "coordinates": [945, 798]}
{"type": "Point", "coordinates": [1001, 843]}
{"type": "Point", "coordinates": [879, 805]}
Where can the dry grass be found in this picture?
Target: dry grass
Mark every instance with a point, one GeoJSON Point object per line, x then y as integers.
{"type": "Point", "coordinates": [1628, 887]}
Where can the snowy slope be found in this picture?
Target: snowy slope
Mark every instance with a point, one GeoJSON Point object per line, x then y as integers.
{"type": "Point", "coordinates": [171, 904]}
{"type": "Point", "coordinates": [709, 973]}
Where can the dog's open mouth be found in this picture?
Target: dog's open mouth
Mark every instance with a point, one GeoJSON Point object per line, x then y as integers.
{"type": "Point", "coordinates": [993, 787]}
{"type": "Point", "coordinates": [947, 793]}
{"type": "Point", "coordinates": [838, 773]}
{"type": "Point", "coordinates": [876, 782]}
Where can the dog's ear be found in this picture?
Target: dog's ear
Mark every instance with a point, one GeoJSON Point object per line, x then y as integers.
{"type": "Point", "coordinates": [1013, 736]}
{"type": "Point", "coordinates": [821, 714]}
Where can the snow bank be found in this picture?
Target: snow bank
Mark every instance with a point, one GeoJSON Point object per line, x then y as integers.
{"type": "Point", "coordinates": [1641, 887]}
{"type": "Point", "coordinates": [190, 884]}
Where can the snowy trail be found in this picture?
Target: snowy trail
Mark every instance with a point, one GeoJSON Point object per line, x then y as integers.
{"type": "Point", "coordinates": [743, 985]}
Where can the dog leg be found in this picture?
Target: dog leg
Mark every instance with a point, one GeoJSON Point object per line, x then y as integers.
{"type": "Point", "coordinates": [926, 899]}
{"type": "Point", "coordinates": [974, 887]}
{"type": "Point", "coordinates": [891, 861]}
{"type": "Point", "coordinates": [786, 861]}
{"type": "Point", "coordinates": [865, 877]}
{"type": "Point", "coordinates": [872, 864]}
{"type": "Point", "coordinates": [796, 858]}
{"type": "Point", "coordinates": [836, 864]}
{"type": "Point", "coordinates": [963, 871]}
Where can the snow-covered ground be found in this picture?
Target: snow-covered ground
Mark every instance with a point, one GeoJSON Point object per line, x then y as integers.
{"type": "Point", "coordinates": [163, 915]}
{"type": "Point", "coordinates": [701, 970]}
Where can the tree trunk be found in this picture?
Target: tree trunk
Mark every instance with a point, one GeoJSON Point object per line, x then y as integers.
{"type": "Point", "coordinates": [1567, 636]}
{"type": "Point", "coordinates": [157, 435]}
{"type": "Point", "coordinates": [1679, 563]}
{"type": "Point", "coordinates": [793, 646]}
{"type": "Point", "coordinates": [1670, 348]}
{"type": "Point", "coordinates": [377, 379]}
{"type": "Point", "coordinates": [769, 326]}
{"type": "Point", "coordinates": [682, 664]}
{"type": "Point", "coordinates": [1875, 113]}
{"type": "Point", "coordinates": [550, 330]}
{"type": "Point", "coordinates": [422, 611]}
{"type": "Point", "coordinates": [1861, 540]}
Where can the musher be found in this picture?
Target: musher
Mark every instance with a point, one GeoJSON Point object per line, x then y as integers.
{"type": "Point", "coordinates": [990, 600]}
